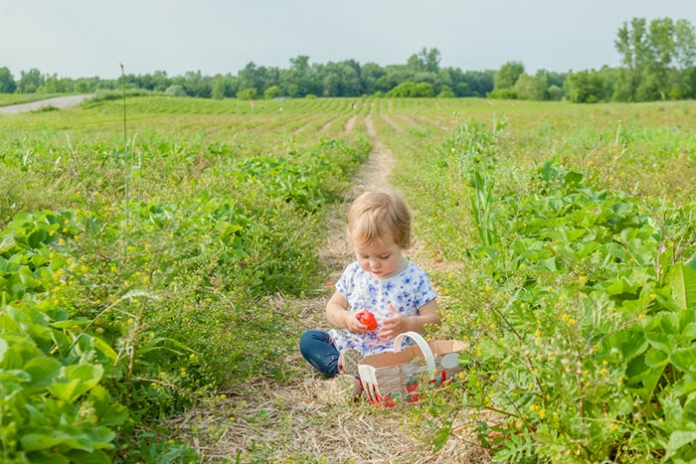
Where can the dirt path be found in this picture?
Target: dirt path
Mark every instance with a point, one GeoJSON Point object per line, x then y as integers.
{"type": "Point", "coordinates": [295, 422]}
{"type": "Point", "coordinates": [350, 124]}
{"type": "Point", "coordinates": [57, 102]}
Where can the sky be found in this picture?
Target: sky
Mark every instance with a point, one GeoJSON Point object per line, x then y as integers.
{"type": "Point", "coordinates": [85, 38]}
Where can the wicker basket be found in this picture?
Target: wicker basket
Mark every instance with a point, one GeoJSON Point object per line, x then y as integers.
{"type": "Point", "coordinates": [394, 376]}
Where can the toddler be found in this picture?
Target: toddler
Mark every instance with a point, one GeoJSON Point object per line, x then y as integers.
{"type": "Point", "coordinates": [381, 281]}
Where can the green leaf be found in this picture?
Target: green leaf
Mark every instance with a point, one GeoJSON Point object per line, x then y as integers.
{"type": "Point", "coordinates": [587, 249]}
{"type": "Point", "coordinates": [67, 436]}
{"type": "Point", "coordinates": [101, 437]}
{"type": "Point", "coordinates": [14, 375]}
{"type": "Point", "coordinates": [36, 238]}
{"type": "Point", "coordinates": [78, 380]}
{"type": "Point", "coordinates": [109, 413]}
{"type": "Point", "coordinates": [442, 436]}
{"type": "Point", "coordinates": [66, 391]}
{"type": "Point", "coordinates": [690, 264]}
{"type": "Point", "coordinates": [50, 459]}
{"type": "Point", "coordinates": [42, 371]}
{"type": "Point", "coordinates": [677, 440]}
{"type": "Point", "coordinates": [639, 372]}
{"type": "Point", "coordinates": [669, 323]}
{"type": "Point", "coordinates": [682, 282]}
{"type": "Point", "coordinates": [69, 323]}
{"type": "Point", "coordinates": [685, 385]}
{"type": "Point", "coordinates": [26, 276]}
{"type": "Point", "coordinates": [83, 457]}
{"type": "Point", "coordinates": [690, 330]}
{"type": "Point", "coordinates": [38, 441]}
{"type": "Point", "coordinates": [548, 264]}
{"type": "Point", "coordinates": [686, 318]}
{"type": "Point", "coordinates": [7, 242]}
{"type": "Point", "coordinates": [105, 348]}
{"type": "Point", "coordinates": [3, 349]}
{"type": "Point", "coordinates": [684, 359]}
{"type": "Point", "coordinates": [655, 358]}
{"type": "Point", "coordinates": [662, 342]}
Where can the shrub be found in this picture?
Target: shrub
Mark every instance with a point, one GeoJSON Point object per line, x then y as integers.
{"type": "Point", "coordinates": [175, 90]}
{"type": "Point", "coordinates": [503, 94]}
{"type": "Point", "coordinates": [272, 92]}
{"type": "Point", "coordinates": [411, 90]}
{"type": "Point", "coordinates": [106, 95]}
{"type": "Point", "coordinates": [446, 92]}
{"type": "Point", "coordinates": [247, 94]}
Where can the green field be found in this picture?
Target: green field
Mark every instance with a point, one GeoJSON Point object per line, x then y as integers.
{"type": "Point", "coordinates": [19, 98]}
{"type": "Point", "coordinates": [140, 246]}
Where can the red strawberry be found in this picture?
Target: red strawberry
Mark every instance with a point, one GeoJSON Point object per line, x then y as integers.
{"type": "Point", "coordinates": [367, 319]}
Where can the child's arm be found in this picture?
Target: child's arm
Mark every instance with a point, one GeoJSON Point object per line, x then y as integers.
{"type": "Point", "coordinates": [337, 313]}
{"type": "Point", "coordinates": [427, 315]}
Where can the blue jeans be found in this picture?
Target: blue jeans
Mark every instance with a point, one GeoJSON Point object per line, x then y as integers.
{"type": "Point", "coordinates": [317, 349]}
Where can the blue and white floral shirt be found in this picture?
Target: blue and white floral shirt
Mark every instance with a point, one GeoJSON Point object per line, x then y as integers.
{"type": "Point", "coordinates": [406, 292]}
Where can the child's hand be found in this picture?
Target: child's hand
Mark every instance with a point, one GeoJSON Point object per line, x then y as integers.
{"type": "Point", "coordinates": [393, 326]}
{"type": "Point", "coordinates": [354, 325]}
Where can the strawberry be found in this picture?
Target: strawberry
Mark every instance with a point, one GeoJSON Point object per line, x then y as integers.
{"type": "Point", "coordinates": [367, 319]}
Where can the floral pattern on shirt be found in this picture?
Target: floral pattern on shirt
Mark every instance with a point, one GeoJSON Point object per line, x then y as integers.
{"type": "Point", "coordinates": [406, 292]}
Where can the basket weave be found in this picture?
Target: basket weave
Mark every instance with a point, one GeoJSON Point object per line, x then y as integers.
{"type": "Point", "coordinates": [391, 376]}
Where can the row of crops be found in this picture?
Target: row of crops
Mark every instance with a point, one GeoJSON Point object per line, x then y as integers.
{"type": "Point", "coordinates": [132, 264]}
{"type": "Point", "coordinates": [568, 244]}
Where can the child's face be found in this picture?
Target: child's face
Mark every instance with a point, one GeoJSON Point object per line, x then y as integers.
{"type": "Point", "coordinates": [381, 258]}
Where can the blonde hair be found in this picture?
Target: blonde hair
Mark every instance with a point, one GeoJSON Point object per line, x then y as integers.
{"type": "Point", "coordinates": [378, 214]}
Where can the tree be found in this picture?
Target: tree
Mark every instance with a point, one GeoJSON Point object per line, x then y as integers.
{"type": "Point", "coordinates": [507, 75]}
{"type": "Point", "coordinates": [30, 81]}
{"type": "Point", "coordinates": [219, 88]}
{"type": "Point", "coordinates": [531, 88]}
{"type": "Point", "coordinates": [250, 77]}
{"type": "Point", "coordinates": [685, 58]}
{"type": "Point", "coordinates": [7, 82]}
{"type": "Point", "coordinates": [340, 79]}
{"type": "Point", "coordinates": [685, 45]}
{"type": "Point", "coordinates": [53, 84]}
{"type": "Point", "coordinates": [425, 60]}
{"type": "Point", "coordinates": [298, 81]}
{"type": "Point", "coordinates": [584, 87]}
{"type": "Point", "coordinates": [196, 85]}
{"type": "Point", "coordinates": [369, 75]}
{"type": "Point", "coordinates": [656, 59]}
{"type": "Point", "coordinates": [655, 82]}
{"type": "Point", "coordinates": [555, 92]}
{"type": "Point", "coordinates": [160, 81]}
{"type": "Point", "coordinates": [631, 44]}
{"type": "Point", "coordinates": [475, 83]}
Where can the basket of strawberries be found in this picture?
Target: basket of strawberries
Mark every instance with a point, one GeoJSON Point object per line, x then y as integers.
{"type": "Point", "coordinates": [395, 376]}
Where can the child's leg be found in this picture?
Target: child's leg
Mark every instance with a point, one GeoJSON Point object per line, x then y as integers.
{"type": "Point", "coordinates": [317, 349]}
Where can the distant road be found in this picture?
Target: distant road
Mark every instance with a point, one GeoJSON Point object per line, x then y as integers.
{"type": "Point", "coordinates": [57, 102]}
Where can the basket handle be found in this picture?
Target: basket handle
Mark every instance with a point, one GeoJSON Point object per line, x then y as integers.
{"type": "Point", "coordinates": [422, 344]}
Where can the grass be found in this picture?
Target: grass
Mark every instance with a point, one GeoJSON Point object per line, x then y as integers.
{"type": "Point", "coordinates": [18, 98]}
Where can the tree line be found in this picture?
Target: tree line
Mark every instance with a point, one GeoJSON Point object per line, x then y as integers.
{"type": "Point", "coordinates": [657, 64]}
{"type": "Point", "coordinates": [334, 79]}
